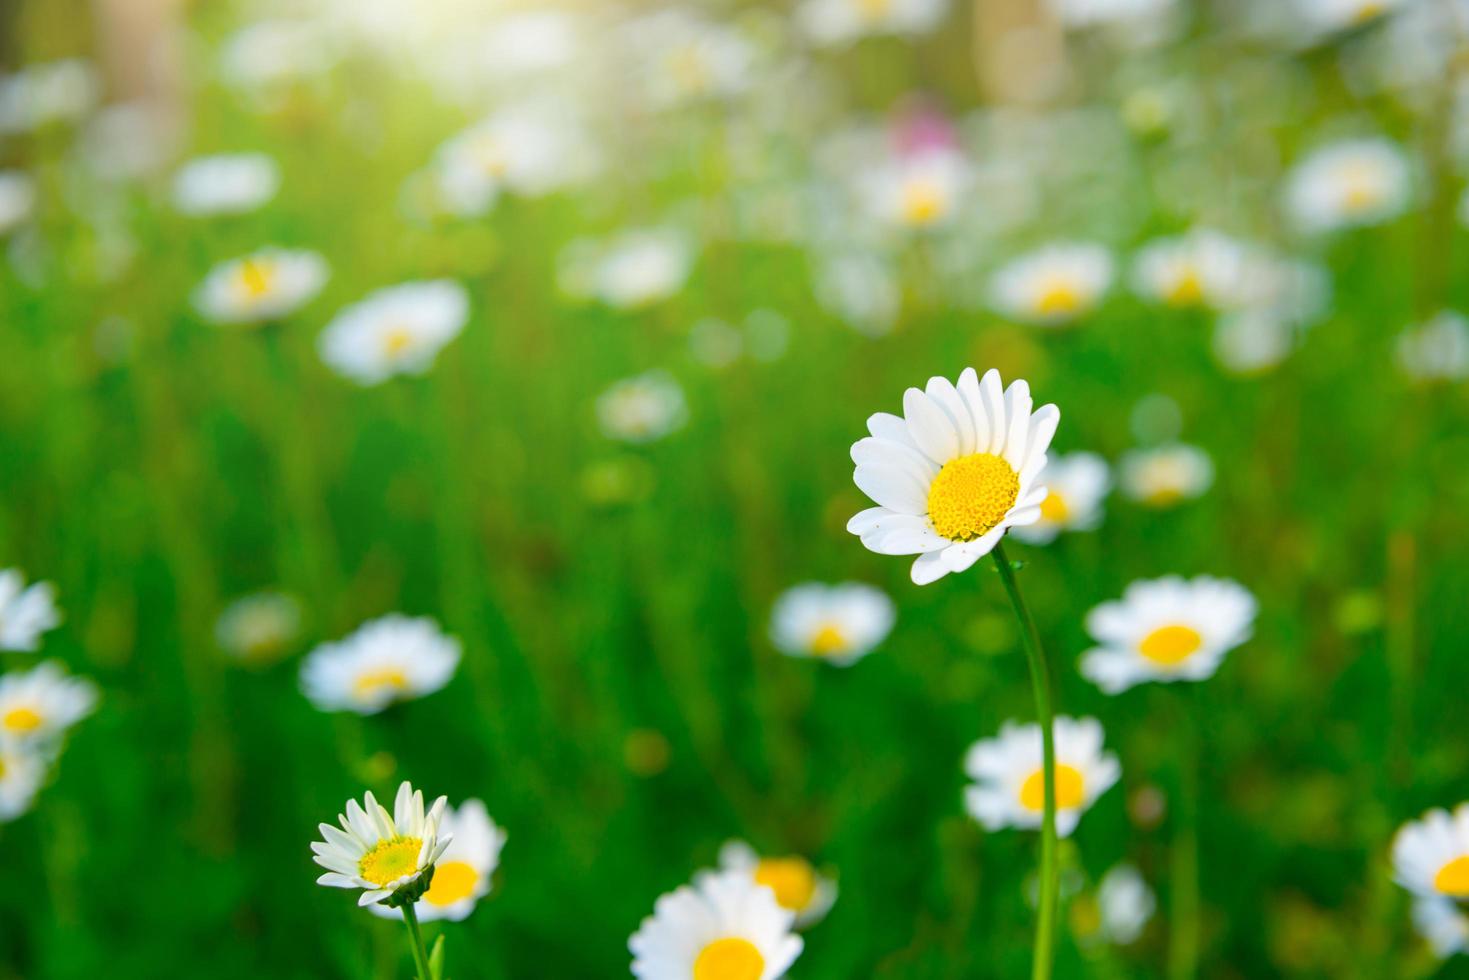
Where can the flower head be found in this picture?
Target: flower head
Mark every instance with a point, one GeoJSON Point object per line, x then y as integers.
{"type": "Point", "coordinates": [397, 330]}
{"type": "Point", "coordinates": [797, 886]}
{"type": "Point", "coordinates": [840, 22]}
{"type": "Point", "coordinates": [641, 409]}
{"type": "Point", "coordinates": [463, 871]}
{"type": "Point", "coordinates": [1201, 269]}
{"type": "Point", "coordinates": [1053, 286]}
{"type": "Point", "coordinates": [1009, 788]}
{"type": "Point", "coordinates": [384, 854]}
{"type": "Point", "coordinates": [722, 927]}
{"type": "Point", "coordinates": [25, 611]}
{"type": "Point", "coordinates": [37, 706]}
{"type": "Point", "coordinates": [266, 285]}
{"type": "Point", "coordinates": [1348, 183]}
{"type": "Point", "coordinates": [1166, 475]}
{"type": "Point", "coordinates": [954, 473]}
{"type": "Point", "coordinates": [840, 624]}
{"type": "Point", "coordinates": [1437, 350]}
{"type": "Point", "coordinates": [390, 659]}
{"type": "Point", "coordinates": [1430, 855]}
{"type": "Point", "coordinates": [228, 183]}
{"type": "Point", "coordinates": [1125, 902]}
{"type": "Point", "coordinates": [259, 628]}
{"type": "Point", "coordinates": [17, 199]}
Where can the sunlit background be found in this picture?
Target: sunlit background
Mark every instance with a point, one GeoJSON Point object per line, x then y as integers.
{"type": "Point", "coordinates": [554, 324]}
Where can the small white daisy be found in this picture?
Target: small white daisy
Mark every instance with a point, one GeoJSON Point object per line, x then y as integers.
{"type": "Point", "coordinates": [1076, 484]}
{"type": "Point", "coordinates": [640, 267]}
{"type": "Point", "coordinates": [1167, 629]}
{"type": "Point", "coordinates": [25, 611]}
{"type": "Point", "coordinates": [1126, 903]}
{"type": "Point", "coordinates": [1348, 183]}
{"type": "Point", "coordinates": [795, 883]}
{"type": "Point", "coordinates": [22, 771]}
{"type": "Point", "coordinates": [397, 330]}
{"type": "Point", "coordinates": [390, 659]}
{"type": "Point", "coordinates": [1443, 923]}
{"type": "Point", "coordinates": [722, 927]}
{"type": "Point", "coordinates": [840, 624]}
{"type": "Point", "coordinates": [259, 628]}
{"type": "Point", "coordinates": [263, 286]}
{"type": "Point", "coordinates": [642, 409]}
{"type": "Point", "coordinates": [40, 704]}
{"type": "Point", "coordinates": [1166, 475]}
{"type": "Point", "coordinates": [17, 199]}
{"type": "Point", "coordinates": [954, 473]}
{"type": "Point", "coordinates": [917, 190]}
{"type": "Point", "coordinates": [1009, 788]}
{"type": "Point", "coordinates": [382, 853]}
{"type": "Point", "coordinates": [1430, 855]}
{"type": "Point", "coordinates": [1200, 269]}
{"type": "Point", "coordinates": [839, 22]}
{"type": "Point", "coordinates": [1437, 350]}
{"type": "Point", "coordinates": [1053, 286]}
{"type": "Point", "coordinates": [227, 183]}
{"type": "Point", "coordinates": [463, 872]}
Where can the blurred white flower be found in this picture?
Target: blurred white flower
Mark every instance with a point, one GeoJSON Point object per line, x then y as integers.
{"type": "Point", "coordinates": [1076, 484]}
{"type": "Point", "coordinates": [723, 925]}
{"type": "Point", "coordinates": [1430, 855]}
{"type": "Point", "coordinates": [1348, 183]}
{"type": "Point", "coordinates": [644, 408]}
{"type": "Point", "coordinates": [840, 624]}
{"type": "Point", "coordinates": [1009, 789]}
{"type": "Point", "coordinates": [22, 770]}
{"type": "Point", "coordinates": [681, 57]}
{"type": "Point", "coordinates": [390, 659]}
{"type": "Point", "coordinates": [861, 289]}
{"type": "Point", "coordinates": [227, 183]}
{"type": "Point", "coordinates": [1327, 16]}
{"type": "Point", "coordinates": [464, 871]}
{"type": "Point", "coordinates": [17, 199]}
{"type": "Point", "coordinates": [797, 886]}
{"type": "Point", "coordinates": [1053, 286]}
{"type": "Point", "coordinates": [263, 286]}
{"type": "Point", "coordinates": [130, 140]}
{"type": "Point", "coordinates": [918, 189]}
{"type": "Point", "coordinates": [835, 22]}
{"type": "Point", "coordinates": [396, 330]}
{"type": "Point", "coordinates": [640, 267]}
{"type": "Point", "coordinates": [1200, 269]}
{"type": "Point", "coordinates": [1251, 341]}
{"type": "Point", "coordinates": [1437, 350]}
{"type": "Point", "coordinates": [50, 92]}
{"type": "Point", "coordinates": [530, 149]}
{"type": "Point", "coordinates": [715, 344]}
{"type": "Point", "coordinates": [39, 705]}
{"type": "Point", "coordinates": [25, 611]}
{"type": "Point", "coordinates": [265, 57]}
{"type": "Point", "coordinates": [259, 628]}
{"type": "Point", "coordinates": [1091, 13]}
{"type": "Point", "coordinates": [1126, 904]}
{"type": "Point", "coordinates": [1166, 475]}
{"type": "Point", "coordinates": [530, 42]}
{"type": "Point", "coordinates": [1443, 923]}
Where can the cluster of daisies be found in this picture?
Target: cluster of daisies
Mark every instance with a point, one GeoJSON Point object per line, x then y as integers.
{"type": "Point", "coordinates": [39, 705]}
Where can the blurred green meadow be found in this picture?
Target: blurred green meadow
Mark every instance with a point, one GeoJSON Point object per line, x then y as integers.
{"type": "Point", "coordinates": [619, 705]}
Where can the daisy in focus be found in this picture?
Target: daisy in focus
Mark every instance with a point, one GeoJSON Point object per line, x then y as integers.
{"type": "Point", "coordinates": [840, 624]}
{"type": "Point", "coordinates": [463, 871]}
{"type": "Point", "coordinates": [1349, 183]}
{"type": "Point", "coordinates": [1430, 855]}
{"type": "Point", "coordinates": [391, 659]}
{"type": "Point", "coordinates": [17, 199]}
{"type": "Point", "coordinates": [1202, 269]}
{"type": "Point", "coordinates": [26, 611]}
{"type": "Point", "coordinates": [642, 409]}
{"type": "Point", "coordinates": [228, 183]}
{"type": "Point", "coordinates": [722, 927]}
{"type": "Point", "coordinates": [259, 629]}
{"type": "Point", "coordinates": [1053, 286]}
{"type": "Point", "coordinates": [1167, 629]}
{"type": "Point", "coordinates": [1166, 475]}
{"type": "Point", "coordinates": [266, 285]}
{"type": "Point", "coordinates": [840, 22]}
{"type": "Point", "coordinates": [22, 771]}
{"type": "Point", "coordinates": [958, 469]}
{"type": "Point", "coordinates": [39, 705]}
{"type": "Point", "coordinates": [1437, 350]}
{"type": "Point", "coordinates": [796, 885]}
{"type": "Point", "coordinates": [1009, 789]}
{"type": "Point", "coordinates": [1076, 485]}
{"type": "Point", "coordinates": [397, 330]}
{"type": "Point", "coordinates": [384, 854]}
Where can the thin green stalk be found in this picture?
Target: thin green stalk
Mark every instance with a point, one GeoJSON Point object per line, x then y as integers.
{"type": "Point", "coordinates": [1183, 909]}
{"type": "Point", "coordinates": [420, 953]}
{"type": "Point", "coordinates": [1045, 930]}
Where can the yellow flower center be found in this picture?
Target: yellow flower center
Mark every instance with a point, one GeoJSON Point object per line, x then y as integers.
{"type": "Point", "coordinates": [1361, 188]}
{"type": "Point", "coordinates": [689, 68]}
{"type": "Point", "coordinates": [21, 720]}
{"type": "Point", "coordinates": [872, 10]}
{"type": "Point", "coordinates": [1070, 789]}
{"type": "Point", "coordinates": [1058, 297]}
{"type": "Point", "coordinates": [1187, 289]}
{"type": "Point", "coordinates": [729, 959]}
{"type": "Point", "coordinates": [396, 340]}
{"type": "Point", "coordinates": [791, 878]}
{"type": "Point", "coordinates": [370, 683]}
{"type": "Point", "coordinates": [1054, 509]}
{"type": "Point", "coordinates": [256, 278]}
{"type": "Point", "coordinates": [1370, 10]}
{"type": "Point", "coordinates": [390, 860]}
{"type": "Point", "coordinates": [491, 159]}
{"type": "Point", "coordinates": [453, 882]}
{"type": "Point", "coordinates": [1453, 878]}
{"type": "Point", "coordinates": [829, 640]}
{"type": "Point", "coordinates": [1170, 645]}
{"type": "Point", "coordinates": [971, 495]}
{"type": "Point", "coordinates": [923, 202]}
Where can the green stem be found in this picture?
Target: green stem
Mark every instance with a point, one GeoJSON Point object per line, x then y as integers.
{"type": "Point", "coordinates": [420, 954]}
{"type": "Point", "coordinates": [1045, 930]}
{"type": "Point", "coordinates": [1183, 947]}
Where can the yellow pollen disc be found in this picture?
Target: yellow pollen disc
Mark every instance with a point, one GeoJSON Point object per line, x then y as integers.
{"type": "Point", "coordinates": [829, 640]}
{"type": "Point", "coordinates": [371, 682]}
{"type": "Point", "coordinates": [21, 720]}
{"type": "Point", "coordinates": [689, 69]}
{"type": "Point", "coordinates": [1170, 645]}
{"type": "Point", "coordinates": [256, 278]}
{"type": "Point", "coordinates": [874, 9]}
{"type": "Point", "coordinates": [1187, 290]}
{"type": "Point", "coordinates": [1054, 509]}
{"type": "Point", "coordinates": [1360, 189]}
{"type": "Point", "coordinates": [1368, 11]}
{"type": "Point", "coordinates": [1070, 789]}
{"type": "Point", "coordinates": [729, 959]}
{"type": "Point", "coordinates": [390, 860]}
{"type": "Point", "coordinates": [1453, 878]}
{"type": "Point", "coordinates": [923, 203]}
{"type": "Point", "coordinates": [491, 160]}
{"type": "Point", "coordinates": [971, 495]}
{"type": "Point", "coordinates": [791, 878]}
{"type": "Point", "coordinates": [1058, 298]}
{"type": "Point", "coordinates": [453, 881]}
{"type": "Point", "coordinates": [397, 340]}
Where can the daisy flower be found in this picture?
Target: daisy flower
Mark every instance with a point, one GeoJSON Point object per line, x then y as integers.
{"type": "Point", "coordinates": [1443, 924]}
{"type": "Point", "coordinates": [1201, 269]}
{"type": "Point", "coordinates": [17, 199]}
{"type": "Point", "coordinates": [463, 871]}
{"type": "Point", "coordinates": [1437, 350]}
{"type": "Point", "coordinates": [1126, 903]}
{"type": "Point", "coordinates": [22, 770]}
{"type": "Point", "coordinates": [397, 330]}
{"type": "Point", "coordinates": [840, 624]}
{"type": "Point", "coordinates": [917, 190]}
{"type": "Point", "coordinates": [954, 473]}
{"type": "Point", "coordinates": [641, 409]}
{"type": "Point", "coordinates": [1009, 788]}
{"type": "Point", "coordinates": [40, 704]}
{"type": "Point", "coordinates": [722, 927]}
{"type": "Point", "coordinates": [685, 58]}
{"type": "Point", "coordinates": [1054, 285]}
{"type": "Point", "coordinates": [1431, 855]}
{"type": "Point", "coordinates": [266, 285]}
{"type": "Point", "coordinates": [1167, 629]}
{"type": "Point", "coordinates": [1349, 183]}
{"type": "Point", "coordinates": [259, 628]}
{"type": "Point", "coordinates": [795, 884]}
{"type": "Point", "coordinates": [387, 660]}
{"type": "Point", "coordinates": [840, 22]}
{"type": "Point", "coordinates": [1076, 485]}
{"type": "Point", "coordinates": [530, 149]}
{"type": "Point", "coordinates": [384, 854]}
{"type": "Point", "coordinates": [641, 267]}
{"type": "Point", "coordinates": [227, 183]}
{"type": "Point", "coordinates": [25, 611]}
{"type": "Point", "coordinates": [268, 56]}
{"type": "Point", "coordinates": [1166, 475]}
{"type": "Point", "coordinates": [51, 92]}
